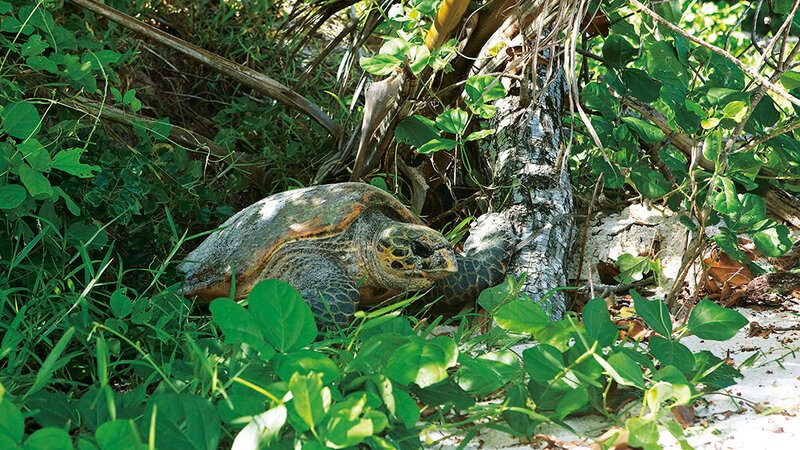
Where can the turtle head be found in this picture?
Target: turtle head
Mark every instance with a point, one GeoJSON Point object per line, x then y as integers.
{"type": "Point", "coordinates": [412, 256]}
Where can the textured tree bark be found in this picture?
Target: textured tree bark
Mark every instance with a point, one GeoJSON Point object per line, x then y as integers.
{"type": "Point", "coordinates": [527, 150]}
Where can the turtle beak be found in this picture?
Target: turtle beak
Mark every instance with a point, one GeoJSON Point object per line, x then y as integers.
{"type": "Point", "coordinates": [442, 263]}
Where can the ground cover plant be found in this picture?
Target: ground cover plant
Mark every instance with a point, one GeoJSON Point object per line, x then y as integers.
{"type": "Point", "coordinates": [117, 156]}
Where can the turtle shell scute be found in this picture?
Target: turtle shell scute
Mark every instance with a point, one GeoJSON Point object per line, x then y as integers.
{"type": "Point", "coordinates": [246, 241]}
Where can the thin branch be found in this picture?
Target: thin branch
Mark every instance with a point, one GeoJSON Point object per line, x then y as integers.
{"type": "Point", "coordinates": [240, 73]}
{"type": "Point", "coordinates": [791, 126]}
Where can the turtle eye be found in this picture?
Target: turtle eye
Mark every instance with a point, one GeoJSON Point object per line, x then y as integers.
{"type": "Point", "coordinates": [421, 249]}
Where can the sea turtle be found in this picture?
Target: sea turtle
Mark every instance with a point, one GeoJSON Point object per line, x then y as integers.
{"type": "Point", "coordinates": [340, 245]}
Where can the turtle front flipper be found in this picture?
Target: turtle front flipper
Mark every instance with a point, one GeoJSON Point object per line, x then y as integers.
{"type": "Point", "coordinates": [331, 294]}
{"type": "Point", "coordinates": [487, 253]}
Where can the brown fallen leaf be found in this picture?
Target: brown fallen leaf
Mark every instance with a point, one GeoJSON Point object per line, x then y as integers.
{"type": "Point", "coordinates": [758, 408]}
{"type": "Point", "coordinates": [634, 329]}
{"type": "Point", "coordinates": [726, 272]}
{"type": "Point", "coordinates": [684, 415]}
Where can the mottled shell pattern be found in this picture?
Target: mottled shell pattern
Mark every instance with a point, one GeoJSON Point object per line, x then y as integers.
{"type": "Point", "coordinates": [247, 239]}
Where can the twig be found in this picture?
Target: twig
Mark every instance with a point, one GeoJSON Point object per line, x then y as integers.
{"type": "Point", "coordinates": [328, 49]}
{"type": "Point", "coordinates": [791, 126]}
{"type": "Point", "coordinates": [240, 73]}
{"type": "Point", "coordinates": [752, 73]}
{"type": "Point", "coordinates": [586, 227]}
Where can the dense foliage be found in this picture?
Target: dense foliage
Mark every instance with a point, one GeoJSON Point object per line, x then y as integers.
{"type": "Point", "coordinates": [100, 197]}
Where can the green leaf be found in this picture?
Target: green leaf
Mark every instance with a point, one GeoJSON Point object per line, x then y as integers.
{"type": "Point", "coordinates": [640, 85]}
{"type": "Point", "coordinates": [663, 65]}
{"type": "Point", "coordinates": [42, 63]}
{"type": "Point", "coordinates": [49, 438]}
{"type": "Point", "coordinates": [632, 268]}
{"type": "Point", "coordinates": [646, 131]}
{"type": "Point", "coordinates": [611, 173]}
{"type": "Point", "coordinates": [405, 409]}
{"type": "Point", "coordinates": [672, 353]}
{"type": "Point", "coordinates": [617, 51]}
{"type": "Point", "coordinates": [34, 46]}
{"type": "Point", "coordinates": [654, 313]}
{"type": "Point", "coordinates": [161, 129]}
{"type": "Point", "coordinates": [477, 135]}
{"type": "Point", "coordinates": [286, 320]}
{"type": "Point", "coordinates": [713, 372]}
{"type": "Point", "coordinates": [437, 144]}
{"type": "Point", "coordinates": [130, 99]}
{"type": "Point", "coordinates": [642, 432]}
{"type": "Point", "coordinates": [446, 392]}
{"type": "Point", "coordinates": [419, 56]}
{"type": "Point", "coordinates": [55, 410]}
{"type": "Point", "coordinates": [764, 116]}
{"type": "Point", "coordinates": [118, 435]}
{"type": "Point", "coordinates": [453, 121]}
{"type": "Point", "coordinates": [239, 325]}
{"type": "Point", "coordinates": [544, 363]}
{"type": "Point", "coordinates": [20, 119]}
{"type": "Point", "coordinates": [121, 304]}
{"type": "Point", "coordinates": [597, 322]}
{"type": "Point", "coordinates": [522, 423]}
{"type": "Point", "coordinates": [36, 183]}
{"type": "Point", "coordinates": [310, 399]}
{"type": "Point", "coordinates": [11, 196]}
{"type": "Point", "coordinates": [397, 47]}
{"type": "Point", "coordinates": [69, 161]}
{"type": "Point", "coordinates": [596, 97]}
{"type": "Point", "coordinates": [486, 373]}
{"type": "Point", "coordinates": [773, 241]}
{"type": "Point", "coordinates": [672, 375]}
{"type": "Point", "coordinates": [106, 58]}
{"type": "Point", "coordinates": [482, 89]}
{"type": "Point", "coordinates": [183, 421]}
{"type": "Point", "coordinates": [521, 316]}
{"type": "Point", "coordinates": [52, 362]}
{"type": "Point", "coordinates": [726, 201]}
{"type": "Point", "coordinates": [305, 362]}
{"type": "Point", "coordinates": [12, 424]}
{"type": "Point", "coordinates": [34, 153]}
{"type": "Point", "coordinates": [572, 401]}
{"type": "Point", "coordinates": [381, 64]}
{"type": "Point", "coordinates": [491, 298]}
{"type": "Point", "coordinates": [11, 24]}
{"type": "Point", "coordinates": [648, 182]}
{"type": "Point", "coordinates": [791, 79]}
{"type": "Point", "coordinates": [416, 131]}
{"type": "Point", "coordinates": [422, 362]}
{"type": "Point", "coordinates": [622, 369]}
{"type": "Point", "coordinates": [352, 420]}
{"type": "Point", "coordinates": [729, 243]}
{"type": "Point", "coordinates": [713, 322]}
